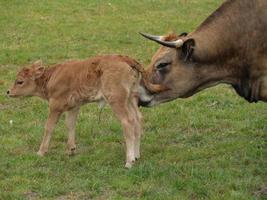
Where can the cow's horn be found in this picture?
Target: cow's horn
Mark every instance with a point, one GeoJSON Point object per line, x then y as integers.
{"type": "Point", "coordinates": [172, 44]}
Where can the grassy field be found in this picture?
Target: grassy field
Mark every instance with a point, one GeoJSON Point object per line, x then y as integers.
{"type": "Point", "coordinates": [211, 146]}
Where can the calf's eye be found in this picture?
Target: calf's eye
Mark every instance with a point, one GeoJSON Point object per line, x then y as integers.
{"type": "Point", "coordinates": [19, 82]}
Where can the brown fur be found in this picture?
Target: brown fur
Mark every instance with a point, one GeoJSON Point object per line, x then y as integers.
{"type": "Point", "coordinates": [170, 37]}
{"type": "Point", "coordinates": [67, 86]}
{"type": "Point", "coordinates": [230, 47]}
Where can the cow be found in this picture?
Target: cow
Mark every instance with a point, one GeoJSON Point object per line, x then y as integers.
{"type": "Point", "coordinates": [229, 47]}
{"type": "Point", "coordinates": [115, 79]}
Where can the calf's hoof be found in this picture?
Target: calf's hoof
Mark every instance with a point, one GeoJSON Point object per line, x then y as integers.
{"type": "Point", "coordinates": [128, 165]}
{"type": "Point", "coordinates": [71, 151]}
{"type": "Point", "coordinates": [41, 153]}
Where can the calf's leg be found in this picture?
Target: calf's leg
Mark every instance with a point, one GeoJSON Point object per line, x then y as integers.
{"type": "Point", "coordinates": [122, 112]}
{"type": "Point", "coordinates": [137, 125]}
{"type": "Point", "coordinates": [71, 118]}
{"type": "Point", "coordinates": [49, 127]}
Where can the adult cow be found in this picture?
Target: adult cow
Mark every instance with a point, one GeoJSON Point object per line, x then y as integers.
{"type": "Point", "coordinates": [230, 47]}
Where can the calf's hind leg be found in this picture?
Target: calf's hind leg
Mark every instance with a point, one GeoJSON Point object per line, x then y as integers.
{"type": "Point", "coordinates": [122, 112]}
{"type": "Point", "coordinates": [137, 125]}
{"type": "Point", "coordinates": [71, 118]}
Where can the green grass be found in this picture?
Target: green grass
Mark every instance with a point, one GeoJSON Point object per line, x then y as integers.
{"type": "Point", "coordinates": [210, 146]}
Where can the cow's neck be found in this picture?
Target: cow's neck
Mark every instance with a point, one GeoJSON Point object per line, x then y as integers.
{"type": "Point", "coordinates": [212, 74]}
{"type": "Point", "coordinates": [224, 52]}
{"type": "Point", "coordinates": [42, 82]}
{"type": "Point", "coordinates": [240, 76]}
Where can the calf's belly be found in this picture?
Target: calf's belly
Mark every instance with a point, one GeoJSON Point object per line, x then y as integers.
{"type": "Point", "coordinates": [80, 97]}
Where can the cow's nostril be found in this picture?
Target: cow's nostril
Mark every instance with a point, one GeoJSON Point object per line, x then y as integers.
{"type": "Point", "coordinates": [8, 92]}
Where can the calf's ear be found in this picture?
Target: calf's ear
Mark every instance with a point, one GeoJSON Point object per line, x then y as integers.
{"type": "Point", "coordinates": [38, 72]}
{"type": "Point", "coordinates": [38, 63]}
{"type": "Point", "coordinates": [37, 69]}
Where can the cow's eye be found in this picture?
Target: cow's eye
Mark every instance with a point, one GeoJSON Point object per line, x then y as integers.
{"type": "Point", "coordinates": [162, 66]}
{"type": "Point", "coordinates": [19, 82]}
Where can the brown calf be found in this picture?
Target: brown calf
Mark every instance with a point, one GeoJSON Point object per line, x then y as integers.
{"type": "Point", "coordinates": [114, 79]}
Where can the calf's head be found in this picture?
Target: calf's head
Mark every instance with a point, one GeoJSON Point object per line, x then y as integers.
{"type": "Point", "coordinates": [25, 83]}
{"type": "Point", "coordinates": [173, 67]}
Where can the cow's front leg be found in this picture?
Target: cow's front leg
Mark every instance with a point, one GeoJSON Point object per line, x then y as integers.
{"type": "Point", "coordinates": [49, 127]}
{"type": "Point", "coordinates": [71, 118]}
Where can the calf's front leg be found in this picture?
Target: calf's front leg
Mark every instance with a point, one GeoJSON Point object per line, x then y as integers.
{"type": "Point", "coordinates": [49, 127]}
{"type": "Point", "coordinates": [71, 118]}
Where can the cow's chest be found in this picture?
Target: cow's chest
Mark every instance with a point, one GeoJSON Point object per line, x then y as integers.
{"type": "Point", "coordinates": [250, 87]}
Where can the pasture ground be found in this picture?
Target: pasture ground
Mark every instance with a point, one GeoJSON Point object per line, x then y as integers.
{"type": "Point", "coordinates": [210, 146]}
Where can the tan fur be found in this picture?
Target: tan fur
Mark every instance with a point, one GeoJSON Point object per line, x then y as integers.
{"type": "Point", "coordinates": [67, 86]}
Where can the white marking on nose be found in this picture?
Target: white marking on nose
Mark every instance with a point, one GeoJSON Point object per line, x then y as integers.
{"type": "Point", "coordinates": [144, 96]}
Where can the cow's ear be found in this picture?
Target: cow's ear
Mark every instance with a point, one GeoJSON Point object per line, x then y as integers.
{"type": "Point", "coordinates": [183, 34]}
{"type": "Point", "coordinates": [188, 49]}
